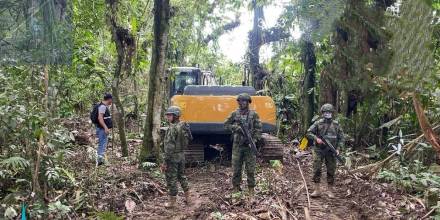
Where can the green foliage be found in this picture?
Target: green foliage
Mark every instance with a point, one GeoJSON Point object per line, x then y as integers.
{"type": "Point", "coordinates": [217, 215]}
{"type": "Point", "coordinates": [317, 17]}
{"type": "Point", "coordinates": [58, 210]}
{"type": "Point", "coordinates": [237, 195]}
{"type": "Point", "coordinates": [413, 178]}
{"type": "Point", "coordinates": [36, 32]}
{"type": "Point", "coordinates": [31, 129]}
{"type": "Point", "coordinates": [14, 164]}
{"type": "Point", "coordinates": [412, 41]}
{"type": "Point", "coordinates": [228, 73]}
{"type": "Point", "coordinates": [276, 164]}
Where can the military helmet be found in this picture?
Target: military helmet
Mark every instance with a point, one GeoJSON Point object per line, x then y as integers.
{"type": "Point", "coordinates": [175, 110]}
{"type": "Point", "coordinates": [244, 96]}
{"type": "Point", "coordinates": [327, 108]}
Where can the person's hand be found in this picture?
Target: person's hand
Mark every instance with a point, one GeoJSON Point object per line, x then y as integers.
{"type": "Point", "coordinates": [107, 131]}
{"type": "Point", "coordinates": [238, 129]}
{"type": "Point", "coordinates": [337, 153]}
{"type": "Point", "coordinates": [163, 167]}
{"type": "Point", "coordinates": [319, 141]}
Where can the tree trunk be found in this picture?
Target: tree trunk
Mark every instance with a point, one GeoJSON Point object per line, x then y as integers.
{"type": "Point", "coordinates": [46, 88]}
{"type": "Point", "coordinates": [125, 48]}
{"type": "Point", "coordinates": [150, 149]}
{"type": "Point", "coordinates": [309, 61]}
{"type": "Point", "coordinates": [120, 119]}
{"type": "Point", "coordinates": [255, 42]}
{"type": "Point", "coordinates": [135, 97]}
{"type": "Point", "coordinates": [327, 89]}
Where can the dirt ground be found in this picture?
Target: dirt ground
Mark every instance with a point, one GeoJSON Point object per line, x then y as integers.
{"type": "Point", "coordinates": [121, 187]}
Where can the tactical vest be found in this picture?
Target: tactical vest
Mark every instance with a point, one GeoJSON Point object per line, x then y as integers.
{"type": "Point", "coordinates": [248, 121]}
{"type": "Point", "coordinates": [177, 138]}
{"type": "Point", "coordinates": [328, 131]}
{"type": "Point", "coordinates": [107, 118]}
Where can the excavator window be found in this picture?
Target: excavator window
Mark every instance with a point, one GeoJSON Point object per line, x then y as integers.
{"type": "Point", "coordinates": [183, 79]}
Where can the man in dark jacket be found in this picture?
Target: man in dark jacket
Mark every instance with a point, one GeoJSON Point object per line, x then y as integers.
{"type": "Point", "coordinates": [103, 127]}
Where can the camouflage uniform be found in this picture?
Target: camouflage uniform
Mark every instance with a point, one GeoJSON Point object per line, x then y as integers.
{"type": "Point", "coordinates": [176, 140]}
{"type": "Point", "coordinates": [241, 152]}
{"type": "Point", "coordinates": [331, 130]}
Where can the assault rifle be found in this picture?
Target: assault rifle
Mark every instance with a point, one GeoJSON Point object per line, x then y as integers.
{"type": "Point", "coordinates": [332, 149]}
{"type": "Point", "coordinates": [248, 136]}
{"type": "Point", "coordinates": [339, 158]}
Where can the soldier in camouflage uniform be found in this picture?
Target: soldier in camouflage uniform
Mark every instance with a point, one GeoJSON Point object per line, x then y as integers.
{"type": "Point", "coordinates": [176, 140]}
{"type": "Point", "coordinates": [241, 152]}
{"type": "Point", "coordinates": [331, 130]}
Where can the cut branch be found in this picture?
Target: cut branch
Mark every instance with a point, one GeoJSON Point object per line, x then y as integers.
{"type": "Point", "coordinates": [428, 132]}
{"type": "Point", "coordinates": [150, 147]}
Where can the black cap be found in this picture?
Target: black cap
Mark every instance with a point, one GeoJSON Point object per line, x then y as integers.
{"type": "Point", "coordinates": [108, 96]}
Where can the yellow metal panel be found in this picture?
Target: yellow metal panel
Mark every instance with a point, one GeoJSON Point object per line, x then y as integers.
{"type": "Point", "coordinates": [199, 109]}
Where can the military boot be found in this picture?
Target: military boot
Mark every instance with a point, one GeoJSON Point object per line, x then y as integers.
{"type": "Point", "coordinates": [251, 191]}
{"type": "Point", "coordinates": [330, 190]}
{"type": "Point", "coordinates": [317, 192]}
{"type": "Point", "coordinates": [188, 197]}
{"type": "Point", "coordinates": [171, 202]}
{"type": "Point", "coordinates": [250, 195]}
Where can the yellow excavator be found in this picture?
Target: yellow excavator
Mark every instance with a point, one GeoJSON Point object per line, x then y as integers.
{"type": "Point", "coordinates": [206, 105]}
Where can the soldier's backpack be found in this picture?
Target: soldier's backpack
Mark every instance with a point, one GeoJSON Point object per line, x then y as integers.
{"type": "Point", "coordinates": [94, 113]}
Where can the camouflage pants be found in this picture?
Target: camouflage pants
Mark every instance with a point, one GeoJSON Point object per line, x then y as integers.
{"type": "Point", "coordinates": [322, 156]}
{"type": "Point", "coordinates": [240, 155]}
{"type": "Point", "coordinates": [174, 173]}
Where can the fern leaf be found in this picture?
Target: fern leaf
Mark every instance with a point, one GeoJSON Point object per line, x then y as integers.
{"type": "Point", "coordinates": [15, 163]}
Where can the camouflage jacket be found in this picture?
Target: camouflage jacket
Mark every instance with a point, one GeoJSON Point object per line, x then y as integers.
{"type": "Point", "coordinates": [176, 140]}
{"type": "Point", "coordinates": [331, 130]}
{"type": "Point", "coordinates": [251, 120]}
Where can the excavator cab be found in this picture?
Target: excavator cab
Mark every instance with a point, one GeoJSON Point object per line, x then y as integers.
{"type": "Point", "coordinates": [182, 77]}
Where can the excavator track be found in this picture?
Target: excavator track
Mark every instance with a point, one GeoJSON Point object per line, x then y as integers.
{"type": "Point", "coordinates": [195, 153]}
{"type": "Point", "coordinates": [272, 148]}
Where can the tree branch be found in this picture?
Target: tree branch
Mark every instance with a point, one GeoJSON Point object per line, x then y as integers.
{"type": "Point", "coordinates": [222, 30]}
